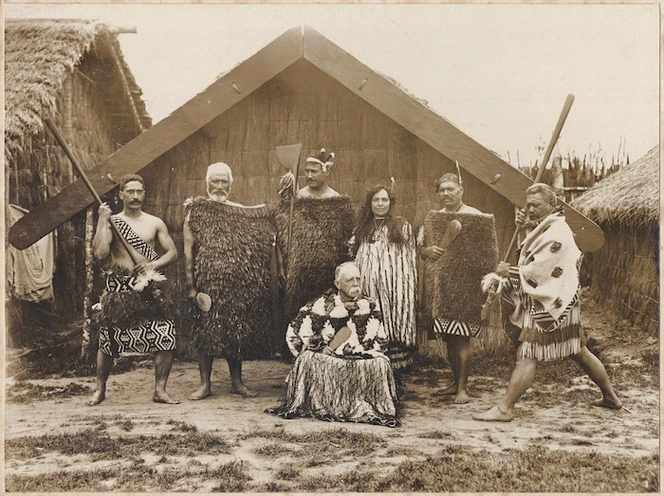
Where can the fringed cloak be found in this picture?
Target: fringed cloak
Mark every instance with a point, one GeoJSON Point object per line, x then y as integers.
{"type": "Point", "coordinates": [233, 248]}
{"type": "Point", "coordinates": [321, 229]}
{"type": "Point", "coordinates": [543, 293]}
{"type": "Point", "coordinates": [453, 280]}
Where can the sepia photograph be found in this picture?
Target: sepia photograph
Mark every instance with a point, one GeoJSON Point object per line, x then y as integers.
{"type": "Point", "coordinates": [332, 248]}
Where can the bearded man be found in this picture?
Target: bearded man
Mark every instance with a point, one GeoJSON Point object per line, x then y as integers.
{"type": "Point", "coordinates": [340, 372]}
{"type": "Point", "coordinates": [544, 290]}
{"type": "Point", "coordinates": [228, 251]}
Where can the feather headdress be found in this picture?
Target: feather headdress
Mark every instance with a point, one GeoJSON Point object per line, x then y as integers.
{"type": "Point", "coordinates": [322, 158]}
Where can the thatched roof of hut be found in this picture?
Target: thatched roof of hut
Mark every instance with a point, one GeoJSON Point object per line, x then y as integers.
{"type": "Point", "coordinates": [39, 55]}
{"type": "Point", "coordinates": [630, 197]}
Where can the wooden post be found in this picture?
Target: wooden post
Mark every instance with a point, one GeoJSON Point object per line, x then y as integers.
{"type": "Point", "coordinates": [67, 122]}
{"type": "Point", "coordinates": [89, 281]}
{"type": "Point", "coordinates": [127, 90]}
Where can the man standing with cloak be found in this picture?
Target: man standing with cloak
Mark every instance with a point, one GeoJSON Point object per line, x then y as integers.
{"type": "Point", "coordinates": [543, 293]}
{"type": "Point", "coordinates": [322, 223]}
{"type": "Point", "coordinates": [228, 250]}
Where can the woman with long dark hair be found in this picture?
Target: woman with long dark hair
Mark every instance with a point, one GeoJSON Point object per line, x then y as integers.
{"type": "Point", "coordinates": [384, 247]}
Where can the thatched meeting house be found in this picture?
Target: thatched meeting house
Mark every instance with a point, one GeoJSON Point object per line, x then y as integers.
{"type": "Point", "coordinates": [302, 88]}
{"type": "Point", "coordinates": [625, 271]}
{"type": "Point", "coordinates": [72, 71]}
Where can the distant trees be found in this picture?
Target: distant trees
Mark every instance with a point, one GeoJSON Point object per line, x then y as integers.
{"type": "Point", "coordinates": [580, 170]}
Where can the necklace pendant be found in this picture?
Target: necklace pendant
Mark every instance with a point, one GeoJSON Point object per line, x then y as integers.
{"type": "Point", "coordinates": [376, 235]}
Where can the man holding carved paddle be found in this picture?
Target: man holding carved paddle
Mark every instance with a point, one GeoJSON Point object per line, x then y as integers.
{"type": "Point", "coordinates": [136, 312]}
{"type": "Point", "coordinates": [542, 292]}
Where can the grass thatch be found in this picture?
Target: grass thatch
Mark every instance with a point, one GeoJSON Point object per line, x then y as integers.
{"type": "Point", "coordinates": [39, 55]}
{"type": "Point", "coordinates": [630, 197]}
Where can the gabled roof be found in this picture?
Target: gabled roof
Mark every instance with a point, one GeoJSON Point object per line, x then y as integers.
{"type": "Point", "coordinates": [295, 44]}
{"type": "Point", "coordinates": [629, 197]}
{"type": "Point", "coordinates": [39, 55]}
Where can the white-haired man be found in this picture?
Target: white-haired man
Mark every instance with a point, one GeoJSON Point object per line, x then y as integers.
{"type": "Point", "coordinates": [544, 289]}
{"type": "Point", "coordinates": [228, 249]}
{"type": "Point", "coordinates": [340, 372]}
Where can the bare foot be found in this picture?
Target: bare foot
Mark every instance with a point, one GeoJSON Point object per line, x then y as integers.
{"type": "Point", "coordinates": [608, 403]}
{"type": "Point", "coordinates": [244, 391]}
{"type": "Point", "coordinates": [461, 398]}
{"type": "Point", "coordinates": [451, 389]}
{"type": "Point", "coordinates": [494, 414]}
{"type": "Point", "coordinates": [200, 393]}
{"type": "Point", "coordinates": [97, 397]}
{"type": "Point", "coordinates": [163, 397]}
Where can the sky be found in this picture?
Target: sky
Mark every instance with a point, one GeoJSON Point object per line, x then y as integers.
{"type": "Point", "coordinates": [500, 73]}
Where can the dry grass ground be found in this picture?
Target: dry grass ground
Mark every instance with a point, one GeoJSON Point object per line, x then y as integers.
{"type": "Point", "coordinates": [557, 443]}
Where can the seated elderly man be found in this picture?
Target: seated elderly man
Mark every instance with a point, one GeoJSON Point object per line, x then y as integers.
{"type": "Point", "coordinates": [340, 373]}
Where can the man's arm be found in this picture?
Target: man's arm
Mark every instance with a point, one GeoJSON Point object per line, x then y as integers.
{"type": "Point", "coordinates": [167, 244]}
{"type": "Point", "coordinates": [189, 258]}
{"type": "Point", "coordinates": [101, 243]}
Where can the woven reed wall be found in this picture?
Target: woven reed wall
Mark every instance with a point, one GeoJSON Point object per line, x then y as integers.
{"type": "Point", "coordinates": [92, 137]}
{"type": "Point", "coordinates": [625, 274]}
{"type": "Point", "coordinates": [303, 105]}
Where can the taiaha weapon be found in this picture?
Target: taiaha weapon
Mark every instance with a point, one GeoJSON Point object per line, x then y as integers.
{"type": "Point", "coordinates": [65, 147]}
{"type": "Point", "coordinates": [491, 283]}
{"type": "Point", "coordinates": [289, 157]}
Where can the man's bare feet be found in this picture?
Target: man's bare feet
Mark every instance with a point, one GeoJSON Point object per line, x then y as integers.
{"type": "Point", "coordinates": [200, 393]}
{"type": "Point", "coordinates": [608, 403]}
{"type": "Point", "coordinates": [97, 397]}
{"type": "Point", "coordinates": [461, 398]}
{"type": "Point", "coordinates": [244, 391]}
{"type": "Point", "coordinates": [494, 414]}
{"type": "Point", "coordinates": [163, 397]}
{"type": "Point", "coordinates": [451, 389]}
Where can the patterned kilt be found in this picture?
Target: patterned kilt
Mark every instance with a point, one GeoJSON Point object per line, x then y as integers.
{"type": "Point", "coordinates": [145, 336]}
{"type": "Point", "coordinates": [343, 389]}
{"type": "Point", "coordinates": [565, 340]}
{"type": "Point", "coordinates": [456, 328]}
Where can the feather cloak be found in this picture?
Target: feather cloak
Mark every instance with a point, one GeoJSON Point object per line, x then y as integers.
{"type": "Point", "coordinates": [130, 307]}
{"type": "Point", "coordinates": [232, 254]}
{"type": "Point", "coordinates": [453, 281]}
{"type": "Point", "coordinates": [321, 229]}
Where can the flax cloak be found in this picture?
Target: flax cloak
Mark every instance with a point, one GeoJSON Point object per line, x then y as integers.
{"type": "Point", "coordinates": [453, 281]}
{"type": "Point", "coordinates": [321, 229]}
{"type": "Point", "coordinates": [233, 248]}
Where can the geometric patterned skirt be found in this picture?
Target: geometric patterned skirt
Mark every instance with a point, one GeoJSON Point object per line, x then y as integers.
{"type": "Point", "coordinates": [146, 337]}
{"type": "Point", "coordinates": [456, 328]}
{"type": "Point", "coordinates": [348, 389]}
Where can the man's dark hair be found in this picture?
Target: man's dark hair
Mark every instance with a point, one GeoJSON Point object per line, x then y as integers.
{"type": "Point", "coordinates": [130, 177]}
